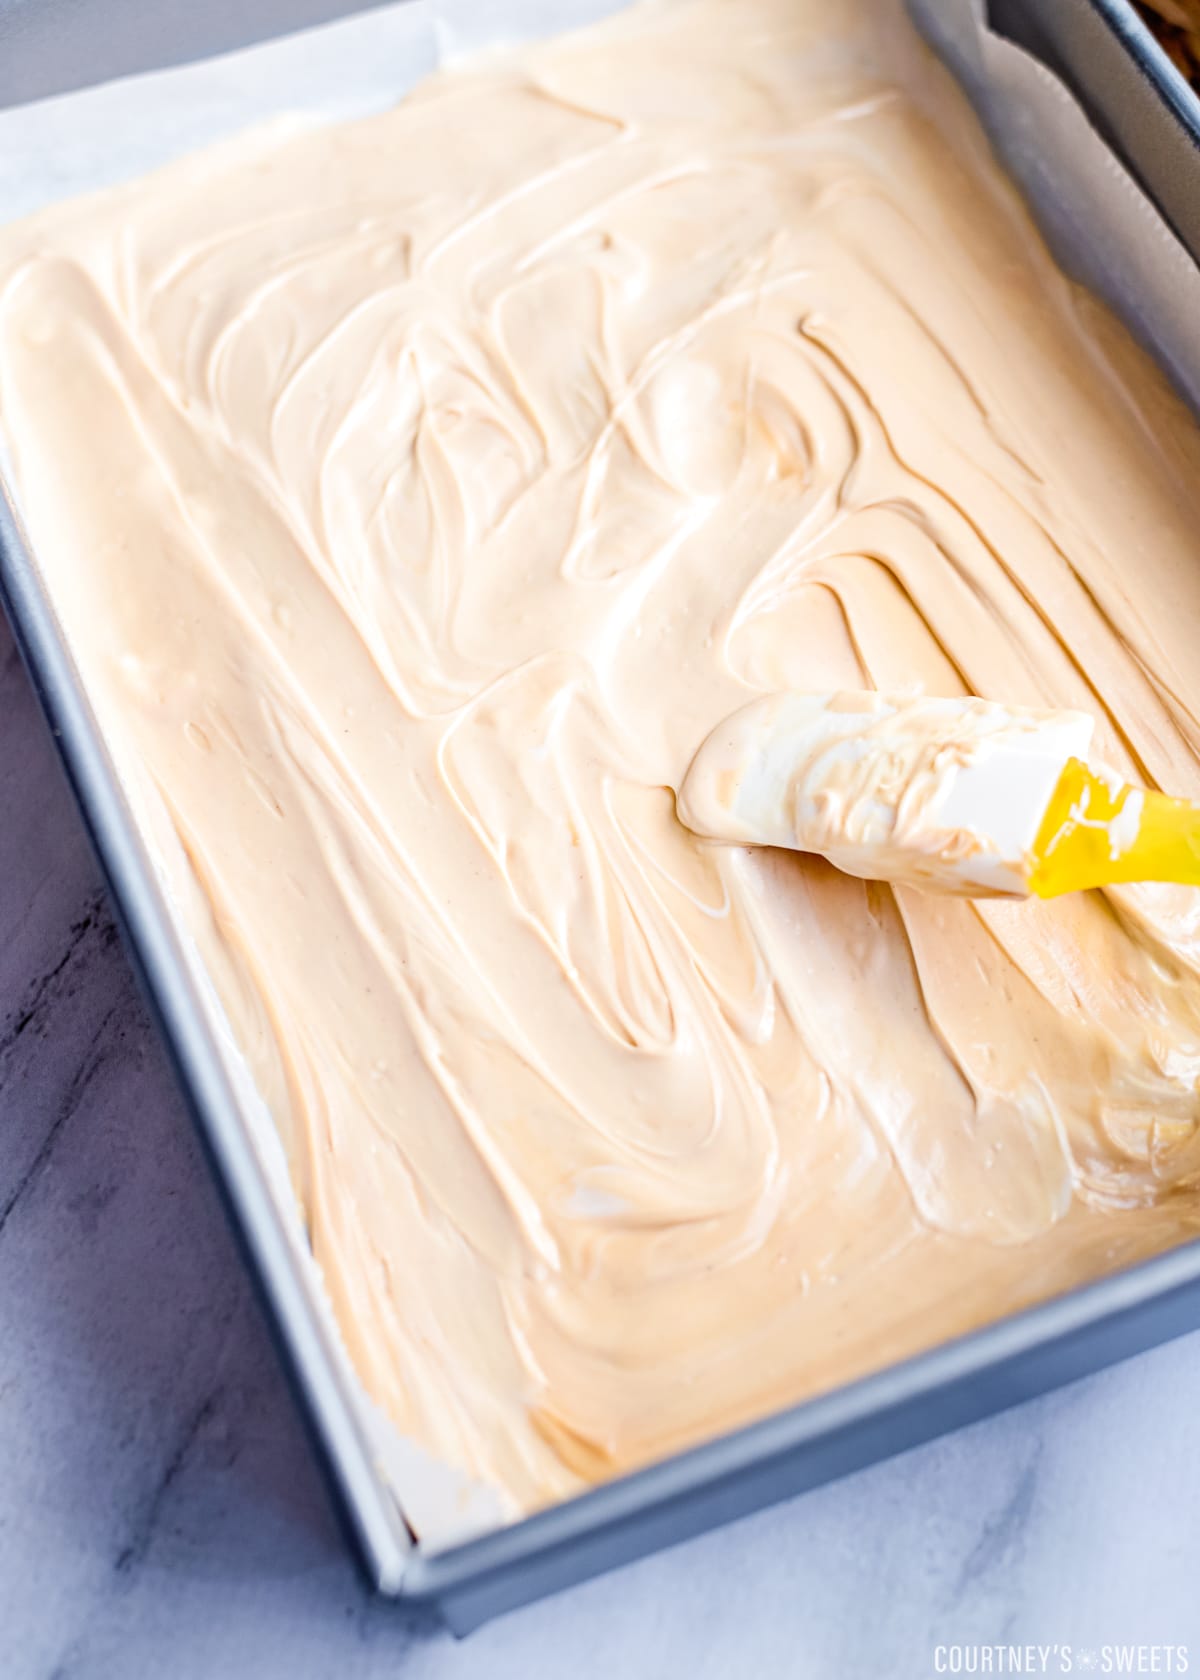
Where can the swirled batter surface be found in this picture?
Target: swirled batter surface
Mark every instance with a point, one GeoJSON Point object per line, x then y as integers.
{"type": "Point", "coordinates": [417, 494]}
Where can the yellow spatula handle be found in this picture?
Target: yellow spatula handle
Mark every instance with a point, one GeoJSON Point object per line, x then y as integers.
{"type": "Point", "coordinates": [1097, 832]}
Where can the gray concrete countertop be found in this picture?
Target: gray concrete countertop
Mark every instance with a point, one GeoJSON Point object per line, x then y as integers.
{"type": "Point", "coordinates": [160, 1515]}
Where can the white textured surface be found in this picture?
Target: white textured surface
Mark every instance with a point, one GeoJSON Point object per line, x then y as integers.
{"type": "Point", "coordinates": [159, 1515]}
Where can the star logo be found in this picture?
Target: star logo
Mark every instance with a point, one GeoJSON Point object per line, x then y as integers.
{"type": "Point", "coordinates": [1087, 1661]}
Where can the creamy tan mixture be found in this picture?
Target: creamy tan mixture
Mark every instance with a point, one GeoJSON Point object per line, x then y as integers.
{"type": "Point", "coordinates": [417, 494]}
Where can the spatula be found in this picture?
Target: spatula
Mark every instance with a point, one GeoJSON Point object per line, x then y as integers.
{"type": "Point", "coordinates": [961, 796]}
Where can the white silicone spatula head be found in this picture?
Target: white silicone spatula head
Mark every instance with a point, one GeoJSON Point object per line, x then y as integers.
{"type": "Point", "coordinates": [947, 794]}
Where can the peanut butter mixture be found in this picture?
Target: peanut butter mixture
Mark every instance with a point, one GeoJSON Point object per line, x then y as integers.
{"type": "Point", "coordinates": [416, 494]}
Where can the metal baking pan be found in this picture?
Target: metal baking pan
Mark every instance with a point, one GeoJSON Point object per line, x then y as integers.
{"type": "Point", "coordinates": [1149, 116]}
{"type": "Point", "coordinates": [1134, 95]}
